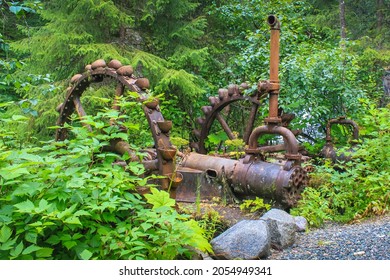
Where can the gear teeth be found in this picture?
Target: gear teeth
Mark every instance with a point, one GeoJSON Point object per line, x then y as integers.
{"type": "Point", "coordinates": [100, 63]}
{"type": "Point", "coordinates": [200, 121]}
{"type": "Point", "coordinates": [213, 100]}
{"type": "Point", "coordinates": [243, 86]}
{"type": "Point", "coordinates": [195, 145]}
{"type": "Point", "coordinates": [142, 83]}
{"type": "Point", "coordinates": [152, 104]}
{"type": "Point", "coordinates": [115, 64]}
{"type": "Point", "coordinates": [222, 93]}
{"type": "Point", "coordinates": [75, 78]}
{"type": "Point", "coordinates": [126, 70]}
{"type": "Point", "coordinates": [288, 117]}
{"type": "Point", "coordinates": [233, 90]}
{"type": "Point", "coordinates": [207, 109]}
{"type": "Point", "coordinates": [196, 132]}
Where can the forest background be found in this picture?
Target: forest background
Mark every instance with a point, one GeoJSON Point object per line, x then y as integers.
{"type": "Point", "coordinates": [63, 204]}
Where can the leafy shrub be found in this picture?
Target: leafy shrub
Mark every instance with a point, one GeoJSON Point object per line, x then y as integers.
{"type": "Point", "coordinates": [212, 222]}
{"type": "Point", "coordinates": [65, 200]}
{"type": "Point", "coordinates": [253, 205]}
{"type": "Point", "coordinates": [355, 189]}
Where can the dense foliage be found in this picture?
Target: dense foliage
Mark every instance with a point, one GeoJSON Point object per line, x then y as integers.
{"type": "Point", "coordinates": [68, 201]}
{"type": "Point", "coordinates": [357, 188]}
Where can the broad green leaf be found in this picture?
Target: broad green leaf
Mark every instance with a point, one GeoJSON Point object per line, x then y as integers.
{"type": "Point", "coordinates": [5, 234]}
{"type": "Point", "coordinates": [43, 205]}
{"type": "Point", "coordinates": [9, 244]}
{"type": "Point", "coordinates": [32, 158]}
{"type": "Point", "coordinates": [19, 117]}
{"type": "Point", "coordinates": [25, 206]}
{"type": "Point", "coordinates": [53, 240]}
{"type": "Point", "coordinates": [67, 212]}
{"type": "Point", "coordinates": [44, 252]}
{"type": "Point", "coordinates": [28, 189]}
{"type": "Point", "coordinates": [77, 236]}
{"type": "Point", "coordinates": [36, 224]}
{"type": "Point", "coordinates": [85, 254]}
{"type": "Point", "coordinates": [73, 221]}
{"type": "Point", "coordinates": [159, 198]}
{"type": "Point", "coordinates": [81, 213]}
{"type": "Point", "coordinates": [13, 172]}
{"type": "Point", "coordinates": [73, 170]}
{"type": "Point", "coordinates": [146, 226]}
{"type": "Point", "coordinates": [15, 9]}
{"type": "Point", "coordinates": [69, 244]}
{"type": "Point", "coordinates": [31, 237]}
{"type": "Point", "coordinates": [30, 249]}
{"type": "Point", "coordinates": [6, 210]}
{"type": "Point", "coordinates": [18, 250]}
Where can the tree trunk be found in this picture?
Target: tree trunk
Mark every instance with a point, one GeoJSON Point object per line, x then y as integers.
{"type": "Point", "coordinates": [342, 20]}
{"type": "Point", "coordinates": [379, 13]}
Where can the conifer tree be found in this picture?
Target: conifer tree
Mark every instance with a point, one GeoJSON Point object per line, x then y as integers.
{"type": "Point", "coordinates": [160, 36]}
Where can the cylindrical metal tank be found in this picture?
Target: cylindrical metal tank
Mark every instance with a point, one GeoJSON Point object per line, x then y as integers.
{"type": "Point", "coordinates": [253, 178]}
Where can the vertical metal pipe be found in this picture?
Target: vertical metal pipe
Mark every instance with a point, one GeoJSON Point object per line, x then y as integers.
{"type": "Point", "coordinates": [274, 54]}
{"type": "Point", "coordinates": [274, 65]}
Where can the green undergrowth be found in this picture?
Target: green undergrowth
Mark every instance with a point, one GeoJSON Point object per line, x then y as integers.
{"type": "Point", "coordinates": [356, 189]}
{"type": "Point", "coordinates": [67, 200]}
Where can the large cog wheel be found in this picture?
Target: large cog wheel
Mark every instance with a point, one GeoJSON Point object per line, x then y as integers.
{"type": "Point", "coordinates": [125, 79]}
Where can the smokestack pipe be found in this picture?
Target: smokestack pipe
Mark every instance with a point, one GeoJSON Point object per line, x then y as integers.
{"type": "Point", "coordinates": [272, 86]}
{"type": "Point", "coordinates": [274, 23]}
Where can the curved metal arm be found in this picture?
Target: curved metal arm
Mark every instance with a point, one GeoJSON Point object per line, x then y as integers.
{"type": "Point", "coordinates": [343, 121]}
{"type": "Point", "coordinates": [290, 142]}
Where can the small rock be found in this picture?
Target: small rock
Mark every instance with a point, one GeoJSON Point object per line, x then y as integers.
{"type": "Point", "coordinates": [248, 240]}
{"type": "Point", "coordinates": [301, 223]}
{"type": "Point", "coordinates": [360, 253]}
{"type": "Point", "coordinates": [282, 228]}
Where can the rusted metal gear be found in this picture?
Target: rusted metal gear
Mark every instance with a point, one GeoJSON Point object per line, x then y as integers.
{"type": "Point", "coordinates": [126, 80]}
{"type": "Point", "coordinates": [221, 112]}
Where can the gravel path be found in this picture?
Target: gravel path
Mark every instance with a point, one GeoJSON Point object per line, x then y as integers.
{"type": "Point", "coordinates": [369, 240]}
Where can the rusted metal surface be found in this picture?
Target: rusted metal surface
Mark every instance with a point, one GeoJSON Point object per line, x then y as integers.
{"type": "Point", "coordinates": [219, 105]}
{"type": "Point", "coordinates": [201, 185]}
{"type": "Point", "coordinates": [200, 176]}
{"type": "Point", "coordinates": [329, 151]}
{"type": "Point", "coordinates": [290, 142]}
{"type": "Point", "coordinates": [272, 86]}
{"type": "Point", "coordinates": [257, 178]}
{"type": "Point", "coordinates": [234, 94]}
{"type": "Point", "coordinates": [97, 72]}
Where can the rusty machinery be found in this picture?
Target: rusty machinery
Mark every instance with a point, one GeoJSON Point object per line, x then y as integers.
{"type": "Point", "coordinates": [329, 150]}
{"type": "Point", "coordinates": [196, 175]}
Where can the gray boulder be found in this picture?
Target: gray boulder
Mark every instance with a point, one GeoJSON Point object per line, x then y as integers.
{"type": "Point", "coordinates": [282, 228]}
{"type": "Point", "coordinates": [301, 223]}
{"type": "Point", "coordinates": [248, 240]}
